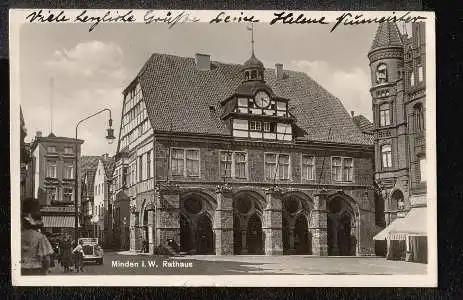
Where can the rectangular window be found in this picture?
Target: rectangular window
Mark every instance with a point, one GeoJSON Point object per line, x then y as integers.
{"type": "Point", "coordinates": [348, 166]}
{"type": "Point", "coordinates": [422, 169]}
{"type": "Point", "coordinates": [51, 149]}
{"type": "Point", "coordinates": [386, 155]}
{"type": "Point", "coordinates": [336, 163]}
{"type": "Point", "coordinates": [225, 163]}
{"type": "Point", "coordinates": [270, 166]}
{"type": "Point", "coordinates": [283, 166]}
{"type": "Point", "coordinates": [68, 150]}
{"type": "Point", "coordinates": [69, 171]}
{"type": "Point", "coordinates": [384, 114]}
{"type": "Point", "coordinates": [134, 172]}
{"type": "Point", "coordinates": [342, 169]}
{"type": "Point", "coordinates": [177, 162]}
{"type": "Point", "coordinates": [308, 167]}
{"type": "Point", "coordinates": [240, 165]}
{"type": "Point", "coordinates": [412, 79]}
{"type": "Point", "coordinates": [274, 170]}
{"type": "Point", "coordinates": [255, 126]}
{"type": "Point", "coordinates": [51, 169]}
{"type": "Point", "coordinates": [68, 194]}
{"type": "Point", "coordinates": [129, 176]}
{"type": "Point", "coordinates": [192, 162]}
{"type": "Point", "coordinates": [266, 127]}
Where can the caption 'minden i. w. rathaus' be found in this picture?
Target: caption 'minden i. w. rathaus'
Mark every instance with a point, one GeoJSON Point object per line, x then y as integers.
{"type": "Point", "coordinates": [228, 159]}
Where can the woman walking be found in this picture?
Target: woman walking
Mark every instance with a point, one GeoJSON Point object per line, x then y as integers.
{"type": "Point", "coordinates": [66, 253]}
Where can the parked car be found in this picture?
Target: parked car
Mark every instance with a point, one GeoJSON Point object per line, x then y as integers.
{"type": "Point", "coordinates": [92, 250]}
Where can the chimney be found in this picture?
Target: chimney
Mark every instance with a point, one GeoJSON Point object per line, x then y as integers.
{"type": "Point", "coordinates": [352, 113]}
{"type": "Point", "coordinates": [279, 71]}
{"type": "Point", "coordinates": [203, 61]}
{"type": "Point", "coordinates": [38, 134]}
{"type": "Point", "coordinates": [105, 156]}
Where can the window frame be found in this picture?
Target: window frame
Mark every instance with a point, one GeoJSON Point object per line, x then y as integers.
{"type": "Point", "coordinates": [234, 164]}
{"type": "Point", "coordinates": [277, 166]}
{"type": "Point", "coordinates": [387, 155]}
{"type": "Point", "coordinates": [69, 152]}
{"type": "Point", "coordinates": [385, 115]}
{"type": "Point", "coordinates": [184, 172]}
{"type": "Point", "coordinates": [380, 68]}
{"type": "Point", "coordinates": [66, 169]}
{"type": "Point", "coordinates": [314, 176]}
{"type": "Point", "coordinates": [342, 168]}
{"type": "Point", "coordinates": [51, 151]}
{"type": "Point", "coordinates": [52, 164]}
{"type": "Point", "coordinates": [64, 194]}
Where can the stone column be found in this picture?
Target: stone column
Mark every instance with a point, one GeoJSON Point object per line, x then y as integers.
{"type": "Point", "coordinates": [151, 240]}
{"type": "Point", "coordinates": [319, 225]}
{"type": "Point", "coordinates": [272, 225]}
{"type": "Point", "coordinates": [133, 233]}
{"type": "Point", "coordinates": [292, 250]}
{"type": "Point", "coordinates": [168, 215]}
{"type": "Point", "coordinates": [223, 221]}
{"type": "Point", "coordinates": [244, 246]}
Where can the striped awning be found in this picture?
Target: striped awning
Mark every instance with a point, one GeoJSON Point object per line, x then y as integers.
{"type": "Point", "coordinates": [58, 221]}
{"type": "Point", "coordinates": [414, 223]}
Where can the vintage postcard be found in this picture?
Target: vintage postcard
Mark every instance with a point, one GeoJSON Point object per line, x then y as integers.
{"type": "Point", "coordinates": [223, 148]}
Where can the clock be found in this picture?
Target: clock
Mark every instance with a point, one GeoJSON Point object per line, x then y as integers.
{"type": "Point", "coordinates": [262, 99]}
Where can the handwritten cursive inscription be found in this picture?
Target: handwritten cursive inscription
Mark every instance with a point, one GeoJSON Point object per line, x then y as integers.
{"type": "Point", "coordinates": [108, 17]}
{"type": "Point", "coordinates": [288, 18]}
{"type": "Point", "coordinates": [349, 19]}
{"type": "Point", "coordinates": [223, 17]}
{"type": "Point", "coordinates": [47, 17]}
{"type": "Point", "coordinates": [182, 17]}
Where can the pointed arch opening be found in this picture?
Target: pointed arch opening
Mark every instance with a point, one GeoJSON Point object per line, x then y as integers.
{"type": "Point", "coordinates": [341, 232]}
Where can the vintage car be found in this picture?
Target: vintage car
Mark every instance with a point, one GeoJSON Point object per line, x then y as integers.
{"type": "Point", "coordinates": [92, 250]}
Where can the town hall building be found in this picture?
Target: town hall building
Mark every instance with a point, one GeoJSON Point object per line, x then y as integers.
{"type": "Point", "coordinates": [230, 159]}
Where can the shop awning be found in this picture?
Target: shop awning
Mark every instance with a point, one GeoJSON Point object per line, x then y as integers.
{"type": "Point", "coordinates": [58, 221]}
{"type": "Point", "coordinates": [414, 223]}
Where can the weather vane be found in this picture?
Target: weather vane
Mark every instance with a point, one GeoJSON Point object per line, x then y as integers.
{"type": "Point", "coordinates": [251, 28]}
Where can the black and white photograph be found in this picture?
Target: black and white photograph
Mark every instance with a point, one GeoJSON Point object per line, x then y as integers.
{"type": "Point", "coordinates": [233, 148]}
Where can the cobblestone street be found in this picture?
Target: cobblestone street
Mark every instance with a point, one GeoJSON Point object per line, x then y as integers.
{"type": "Point", "coordinates": [125, 263]}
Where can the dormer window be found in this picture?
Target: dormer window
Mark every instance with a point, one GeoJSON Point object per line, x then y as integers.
{"type": "Point", "coordinates": [381, 74]}
{"type": "Point", "coordinates": [253, 74]}
{"type": "Point", "coordinates": [246, 75]}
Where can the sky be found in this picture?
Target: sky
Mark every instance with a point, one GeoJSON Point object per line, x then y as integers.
{"type": "Point", "coordinates": [90, 70]}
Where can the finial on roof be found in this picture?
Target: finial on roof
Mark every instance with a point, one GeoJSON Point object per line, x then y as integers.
{"type": "Point", "coordinates": [251, 28]}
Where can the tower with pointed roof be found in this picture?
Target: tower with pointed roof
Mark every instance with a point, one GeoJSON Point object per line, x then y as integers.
{"type": "Point", "coordinates": [397, 117]}
{"type": "Point", "coordinates": [387, 90]}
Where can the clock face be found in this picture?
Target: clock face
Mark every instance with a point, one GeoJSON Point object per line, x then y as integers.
{"type": "Point", "coordinates": [262, 99]}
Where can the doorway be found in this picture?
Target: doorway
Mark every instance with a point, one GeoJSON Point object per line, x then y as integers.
{"type": "Point", "coordinates": [254, 235]}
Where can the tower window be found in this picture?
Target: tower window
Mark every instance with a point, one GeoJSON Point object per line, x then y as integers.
{"type": "Point", "coordinates": [412, 79]}
{"type": "Point", "coordinates": [420, 73]}
{"type": "Point", "coordinates": [422, 163]}
{"type": "Point", "coordinates": [253, 74]}
{"type": "Point", "coordinates": [381, 74]}
{"type": "Point", "coordinates": [246, 75]}
{"type": "Point", "coordinates": [386, 154]}
{"type": "Point", "coordinates": [384, 115]}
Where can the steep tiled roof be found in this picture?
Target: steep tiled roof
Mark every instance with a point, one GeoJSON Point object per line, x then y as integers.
{"type": "Point", "coordinates": [363, 123]}
{"type": "Point", "coordinates": [89, 163]}
{"type": "Point", "coordinates": [108, 165]}
{"type": "Point", "coordinates": [90, 181]}
{"type": "Point", "coordinates": [180, 97]}
{"type": "Point", "coordinates": [387, 35]}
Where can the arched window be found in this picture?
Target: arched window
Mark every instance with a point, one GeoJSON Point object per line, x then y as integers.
{"type": "Point", "coordinates": [381, 73]}
{"type": "Point", "coordinates": [386, 155]}
{"type": "Point", "coordinates": [419, 117]}
{"type": "Point", "coordinates": [384, 115]}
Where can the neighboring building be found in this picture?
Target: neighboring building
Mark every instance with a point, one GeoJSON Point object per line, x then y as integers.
{"type": "Point", "coordinates": [120, 203]}
{"type": "Point", "coordinates": [102, 206]}
{"type": "Point", "coordinates": [25, 158]}
{"type": "Point", "coordinates": [363, 123]}
{"type": "Point", "coordinates": [88, 170]}
{"type": "Point", "coordinates": [52, 180]}
{"type": "Point", "coordinates": [398, 76]}
{"type": "Point", "coordinates": [234, 159]}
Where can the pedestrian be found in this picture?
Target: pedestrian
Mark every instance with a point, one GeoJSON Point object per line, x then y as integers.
{"type": "Point", "coordinates": [66, 253]}
{"type": "Point", "coordinates": [79, 256]}
{"type": "Point", "coordinates": [36, 250]}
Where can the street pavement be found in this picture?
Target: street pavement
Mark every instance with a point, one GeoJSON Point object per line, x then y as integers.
{"type": "Point", "coordinates": [127, 263]}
